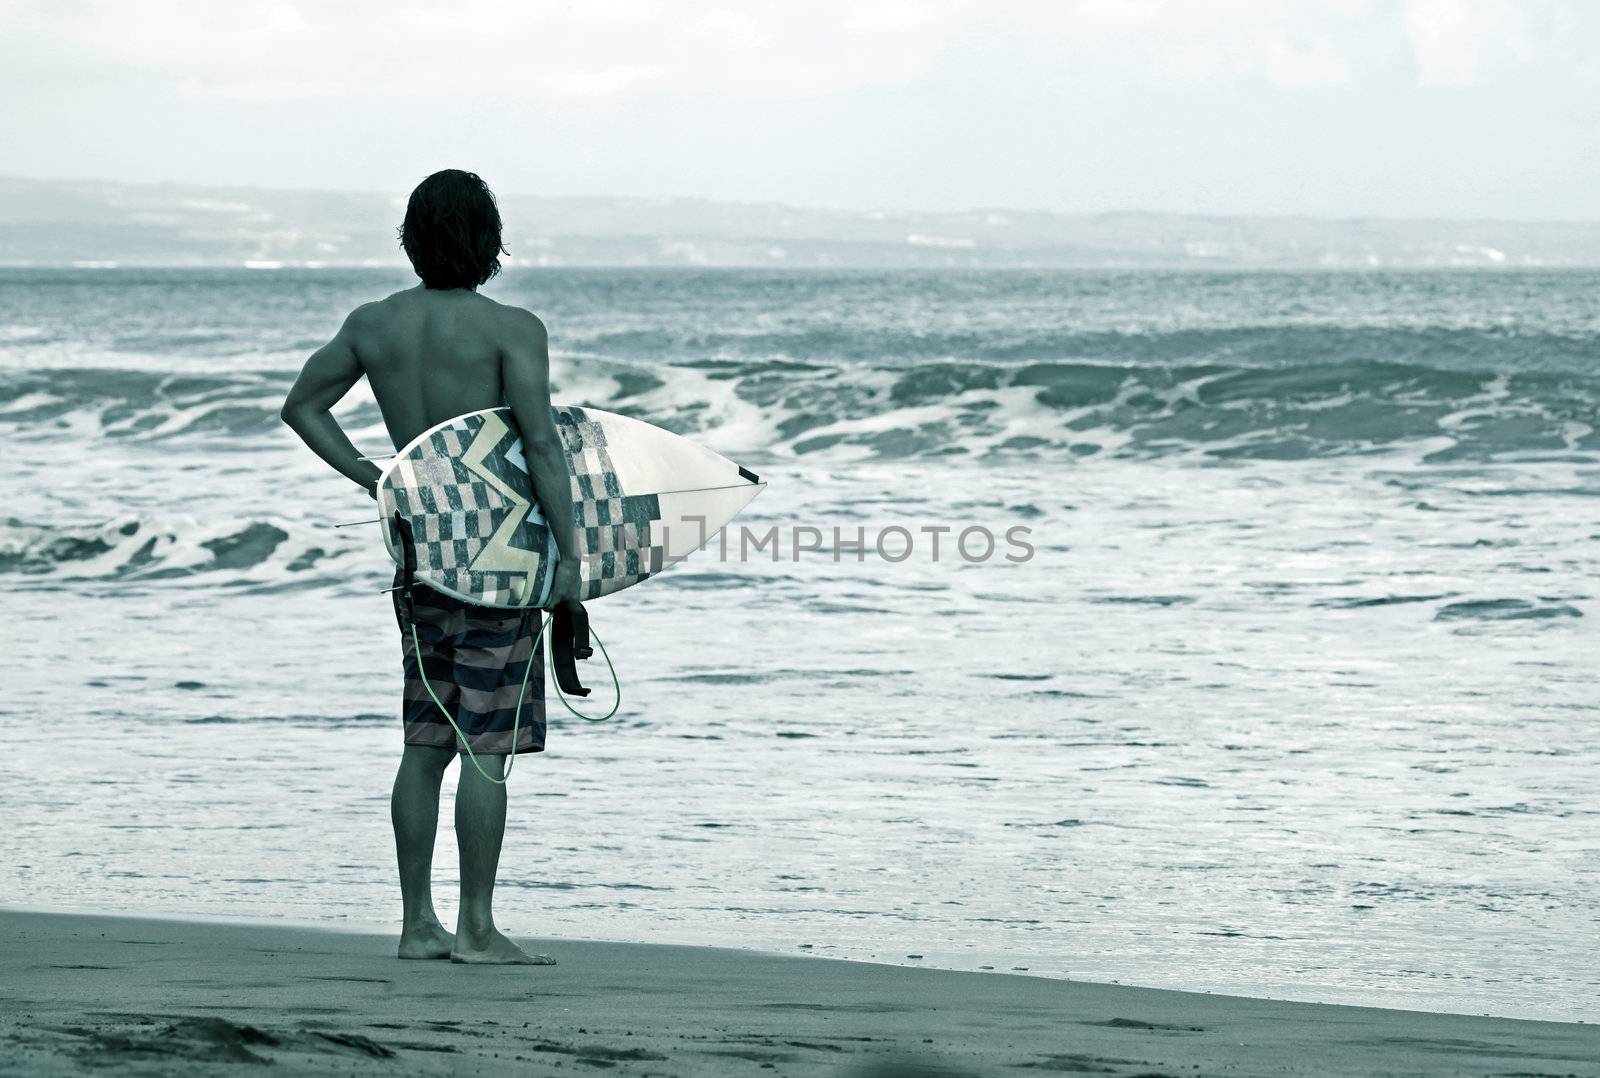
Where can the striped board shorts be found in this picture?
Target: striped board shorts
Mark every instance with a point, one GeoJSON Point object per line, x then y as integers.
{"type": "Point", "coordinates": [475, 658]}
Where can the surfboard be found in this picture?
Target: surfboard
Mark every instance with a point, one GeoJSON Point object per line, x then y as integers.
{"type": "Point", "coordinates": [643, 499]}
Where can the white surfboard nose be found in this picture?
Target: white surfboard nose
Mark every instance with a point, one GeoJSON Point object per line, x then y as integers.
{"type": "Point", "coordinates": [691, 519]}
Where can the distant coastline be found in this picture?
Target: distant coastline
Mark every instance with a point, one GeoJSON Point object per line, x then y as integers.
{"type": "Point", "coordinates": [95, 224]}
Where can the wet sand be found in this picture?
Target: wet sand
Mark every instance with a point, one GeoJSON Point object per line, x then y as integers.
{"type": "Point", "coordinates": [91, 994]}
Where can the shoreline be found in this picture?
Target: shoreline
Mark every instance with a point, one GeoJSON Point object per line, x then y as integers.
{"type": "Point", "coordinates": [991, 965]}
{"type": "Point", "coordinates": [164, 995]}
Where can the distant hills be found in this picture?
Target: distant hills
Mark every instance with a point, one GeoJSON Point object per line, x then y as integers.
{"type": "Point", "coordinates": [100, 223]}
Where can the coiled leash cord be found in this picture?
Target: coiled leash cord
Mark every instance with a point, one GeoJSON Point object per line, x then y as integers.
{"type": "Point", "coordinates": [516, 721]}
{"type": "Point", "coordinates": [570, 625]}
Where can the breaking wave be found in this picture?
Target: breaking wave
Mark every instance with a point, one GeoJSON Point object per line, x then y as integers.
{"type": "Point", "coordinates": [1317, 408]}
{"type": "Point", "coordinates": [262, 553]}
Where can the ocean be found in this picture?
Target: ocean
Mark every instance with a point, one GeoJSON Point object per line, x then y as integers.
{"type": "Point", "coordinates": [1277, 681]}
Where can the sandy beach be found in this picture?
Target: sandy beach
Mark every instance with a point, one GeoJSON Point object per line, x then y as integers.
{"type": "Point", "coordinates": [85, 994]}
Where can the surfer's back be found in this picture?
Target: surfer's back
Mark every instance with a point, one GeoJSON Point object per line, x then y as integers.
{"type": "Point", "coordinates": [432, 354]}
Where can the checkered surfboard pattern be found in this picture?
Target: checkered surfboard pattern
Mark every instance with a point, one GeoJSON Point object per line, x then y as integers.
{"type": "Point", "coordinates": [479, 536]}
{"type": "Point", "coordinates": [476, 535]}
{"type": "Point", "coordinates": [615, 531]}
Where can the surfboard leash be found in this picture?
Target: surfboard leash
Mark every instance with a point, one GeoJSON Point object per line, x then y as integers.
{"type": "Point", "coordinates": [616, 683]}
{"type": "Point", "coordinates": [574, 625]}
{"type": "Point", "coordinates": [522, 693]}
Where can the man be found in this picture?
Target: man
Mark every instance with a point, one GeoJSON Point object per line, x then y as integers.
{"type": "Point", "coordinates": [430, 353]}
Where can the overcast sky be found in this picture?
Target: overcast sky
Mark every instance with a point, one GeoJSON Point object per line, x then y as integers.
{"type": "Point", "coordinates": [1455, 108]}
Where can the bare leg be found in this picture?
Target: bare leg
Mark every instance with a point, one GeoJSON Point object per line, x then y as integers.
{"type": "Point", "coordinates": [480, 827]}
{"type": "Point", "coordinates": [414, 810]}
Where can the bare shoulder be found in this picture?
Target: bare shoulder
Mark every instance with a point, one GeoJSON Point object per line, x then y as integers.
{"type": "Point", "coordinates": [520, 334]}
{"type": "Point", "coordinates": [358, 332]}
{"type": "Point", "coordinates": [521, 322]}
{"type": "Point", "coordinates": [368, 325]}
{"type": "Point", "coordinates": [365, 320]}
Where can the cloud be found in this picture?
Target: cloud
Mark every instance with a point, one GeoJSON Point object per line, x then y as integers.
{"type": "Point", "coordinates": [1295, 44]}
{"type": "Point", "coordinates": [1459, 42]}
{"type": "Point", "coordinates": [596, 51]}
{"type": "Point", "coordinates": [1292, 45]}
{"type": "Point", "coordinates": [606, 53]}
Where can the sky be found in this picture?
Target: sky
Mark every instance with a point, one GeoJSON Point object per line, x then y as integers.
{"type": "Point", "coordinates": [1333, 108]}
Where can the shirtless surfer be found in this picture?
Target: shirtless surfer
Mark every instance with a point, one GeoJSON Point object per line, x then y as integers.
{"type": "Point", "coordinates": [430, 353]}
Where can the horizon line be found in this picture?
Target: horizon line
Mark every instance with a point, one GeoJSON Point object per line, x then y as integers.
{"type": "Point", "coordinates": [374, 192]}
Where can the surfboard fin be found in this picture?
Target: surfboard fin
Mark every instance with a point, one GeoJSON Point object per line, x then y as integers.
{"type": "Point", "coordinates": [570, 624]}
{"type": "Point", "coordinates": [408, 564]}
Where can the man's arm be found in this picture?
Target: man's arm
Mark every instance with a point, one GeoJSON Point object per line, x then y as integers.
{"type": "Point", "coordinates": [525, 374]}
{"type": "Point", "coordinates": [324, 380]}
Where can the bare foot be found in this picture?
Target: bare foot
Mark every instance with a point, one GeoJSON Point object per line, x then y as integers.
{"type": "Point", "coordinates": [495, 949]}
{"type": "Point", "coordinates": [426, 941]}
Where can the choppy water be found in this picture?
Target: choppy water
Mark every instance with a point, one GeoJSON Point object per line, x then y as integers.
{"type": "Point", "coordinates": [1294, 698]}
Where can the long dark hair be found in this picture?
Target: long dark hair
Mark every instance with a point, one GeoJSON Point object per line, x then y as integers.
{"type": "Point", "coordinates": [452, 230]}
